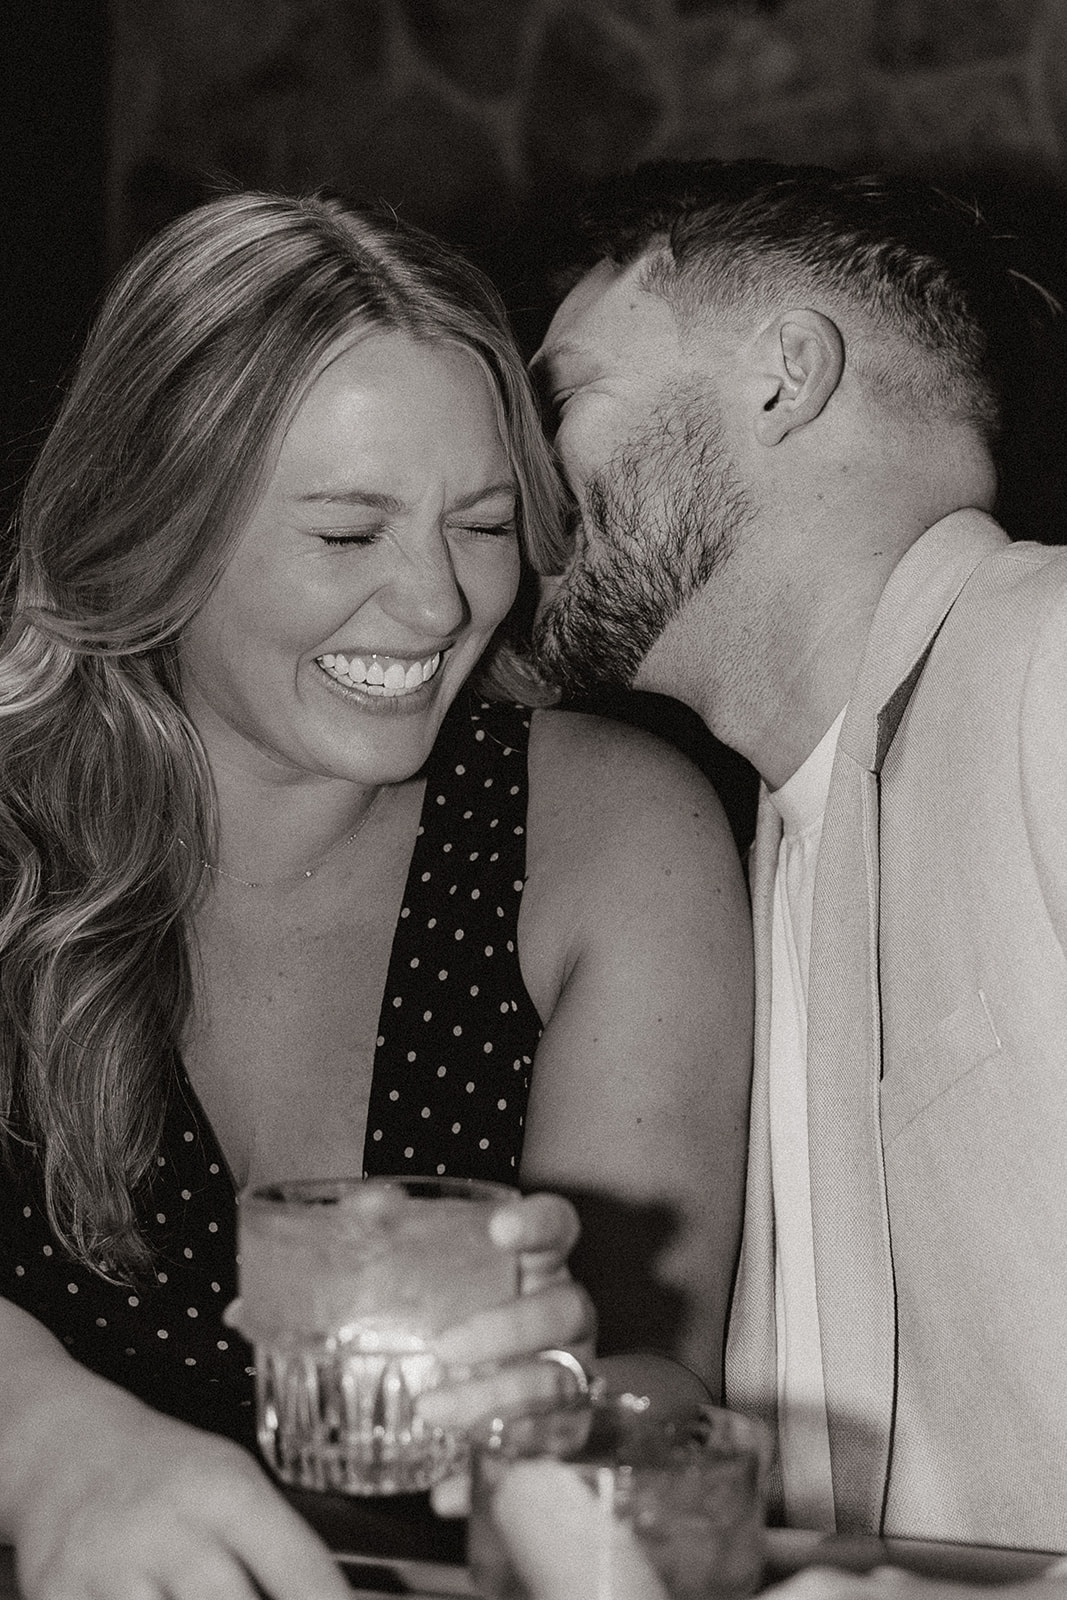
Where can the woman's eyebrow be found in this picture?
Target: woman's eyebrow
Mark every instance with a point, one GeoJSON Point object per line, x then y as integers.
{"type": "Point", "coordinates": [493, 491]}
{"type": "Point", "coordinates": [389, 503]}
{"type": "Point", "coordinates": [353, 497]}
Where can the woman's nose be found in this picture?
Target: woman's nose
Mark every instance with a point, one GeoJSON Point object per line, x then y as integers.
{"type": "Point", "coordinates": [424, 592]}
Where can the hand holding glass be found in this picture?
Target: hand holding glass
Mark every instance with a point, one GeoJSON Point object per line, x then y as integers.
{"type": "Point", "coordinates": [343, 1287]}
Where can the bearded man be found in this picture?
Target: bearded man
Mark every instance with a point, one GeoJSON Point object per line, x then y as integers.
{"type": "Point", "coordinates": [781, 402]}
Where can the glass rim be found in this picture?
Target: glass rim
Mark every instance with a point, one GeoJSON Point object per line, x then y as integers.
{"type": "Point", "coordinates": [732, 1433]}
{"type": "Point", "coordinates": [327, 1191]}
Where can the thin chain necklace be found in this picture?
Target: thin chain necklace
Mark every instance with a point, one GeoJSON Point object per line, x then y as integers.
{"type": "Point", "coordinates": [306, 872]}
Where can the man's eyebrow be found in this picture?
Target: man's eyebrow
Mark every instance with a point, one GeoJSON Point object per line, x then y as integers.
{"type": "Point", "coordinates": [567, 344]}
{"type": "Point", "coordinates": [551, 354]}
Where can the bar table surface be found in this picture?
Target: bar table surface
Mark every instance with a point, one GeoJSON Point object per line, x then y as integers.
{"type": "Point", "coordinates": [388, 1555]}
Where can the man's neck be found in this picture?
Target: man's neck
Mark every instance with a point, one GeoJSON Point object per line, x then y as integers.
{"type": "Point", "coordinates": [767, 658]}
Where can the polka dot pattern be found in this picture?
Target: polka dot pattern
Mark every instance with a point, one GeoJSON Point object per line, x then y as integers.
{"type": "Point", "coordinates": [457, 1035]}
{"type": "Point", "coordinates": [445, 1096]}
{"type": "Point", "coordinates": [158, 1336]}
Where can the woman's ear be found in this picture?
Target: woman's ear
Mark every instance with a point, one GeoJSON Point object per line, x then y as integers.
{"type": "Point", "coordinates": [802, 355]}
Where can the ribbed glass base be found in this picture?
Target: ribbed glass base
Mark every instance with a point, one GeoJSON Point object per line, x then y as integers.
{"type": "Point", "coordinates": [346, 1421]}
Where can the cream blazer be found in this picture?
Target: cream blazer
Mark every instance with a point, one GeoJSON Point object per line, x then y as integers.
{"type": "Point", "coordinates": [937, 1060]}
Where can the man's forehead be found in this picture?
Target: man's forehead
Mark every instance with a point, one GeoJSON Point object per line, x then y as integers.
{"type": "Point", "coordinates": [603, 314]}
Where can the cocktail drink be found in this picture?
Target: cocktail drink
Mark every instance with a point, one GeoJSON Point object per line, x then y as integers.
{"type": "Point", "coordinates": [595, 1498]}
{"type": "Point", "coordinates": [343, 1287]}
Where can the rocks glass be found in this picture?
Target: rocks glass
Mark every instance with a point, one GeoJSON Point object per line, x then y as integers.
{"type": "Point", "coordinates": [595, 1498]}
{"type": "Point", "coordinates": [343, 1286]}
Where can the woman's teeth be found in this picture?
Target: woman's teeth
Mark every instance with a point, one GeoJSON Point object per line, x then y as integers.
{"type": "Point", "coordinates": [375, 675]}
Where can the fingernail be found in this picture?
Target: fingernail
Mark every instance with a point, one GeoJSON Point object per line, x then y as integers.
{"type": "Point", "coordinates": [505, 1228]}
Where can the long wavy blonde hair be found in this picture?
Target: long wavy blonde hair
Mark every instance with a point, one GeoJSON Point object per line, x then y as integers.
{"type": "Point", "coordinates": [199, 356]}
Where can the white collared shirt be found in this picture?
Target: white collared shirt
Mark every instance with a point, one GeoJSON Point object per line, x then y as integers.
{"type": "Point", "coordinates": [803, 1437]}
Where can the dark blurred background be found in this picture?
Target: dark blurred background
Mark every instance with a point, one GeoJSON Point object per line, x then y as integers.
{"type": "Point", "coordinates": [481, 119]}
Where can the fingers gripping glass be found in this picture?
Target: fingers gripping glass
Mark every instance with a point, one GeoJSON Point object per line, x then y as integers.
{"type": "Point", "coordinates": [344, 1286]}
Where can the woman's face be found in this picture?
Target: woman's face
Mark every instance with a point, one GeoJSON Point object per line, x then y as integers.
{"type": "Point", "coordinates": [370, 577]}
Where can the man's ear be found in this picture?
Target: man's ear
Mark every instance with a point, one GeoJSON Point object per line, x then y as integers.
{"type": "Point", "coordinates": [802, 356]}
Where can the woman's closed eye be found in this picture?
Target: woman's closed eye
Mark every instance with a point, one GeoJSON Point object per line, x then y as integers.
{"type": "Point", "coordinates": [487, 530]}
{"type": "Point", "coordinates": [339, 539]}
{"type": "Point", "coordinates": [365, 538]}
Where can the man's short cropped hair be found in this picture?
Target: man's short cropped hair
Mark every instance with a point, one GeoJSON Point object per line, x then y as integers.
{"type": "Point", "coordinates": [936, 307]}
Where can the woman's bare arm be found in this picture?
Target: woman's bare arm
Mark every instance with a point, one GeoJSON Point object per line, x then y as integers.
{"type": "Point", "coordinates": [102, 1495]}
{"type": "Point", "coordinates": [635, 945]}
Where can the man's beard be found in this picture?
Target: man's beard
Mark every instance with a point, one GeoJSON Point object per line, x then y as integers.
{"type": "Point", "coordinates": [660, 518]}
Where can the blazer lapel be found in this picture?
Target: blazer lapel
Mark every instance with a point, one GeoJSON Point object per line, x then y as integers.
{"type": "Point", "coordinates": [853, 1255]}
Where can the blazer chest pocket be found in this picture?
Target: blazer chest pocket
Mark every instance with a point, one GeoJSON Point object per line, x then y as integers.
{"type": "Point", "coordinates": [919, 1074]}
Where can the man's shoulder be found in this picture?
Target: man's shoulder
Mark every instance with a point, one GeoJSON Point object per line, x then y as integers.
{"type": "Point", "coordinates": [985, 716]}
{"type": "Point", "coordinates": [968, 550]}
{"type": "Point", "coordinates": [1023, 562]}
{"type": "Point", "coordinates": [1013, 597]}
{"type": "Point", "coordinates": [1001, 640]}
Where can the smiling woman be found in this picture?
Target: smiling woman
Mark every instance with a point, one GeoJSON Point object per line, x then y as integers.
{"type": "Point", "coordinates": [386, 535]}
{"type": "Point", "coordinates": [303, 877]}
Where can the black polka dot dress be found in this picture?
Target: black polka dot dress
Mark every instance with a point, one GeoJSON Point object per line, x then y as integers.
{"type": "Point", "coordinates": [455, 1047]}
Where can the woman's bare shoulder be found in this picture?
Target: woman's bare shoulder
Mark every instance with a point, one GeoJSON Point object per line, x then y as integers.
{"type": "Point", "coordinates": [597, 782]}
{"type": "Point", "coordinates": [629, 851]}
